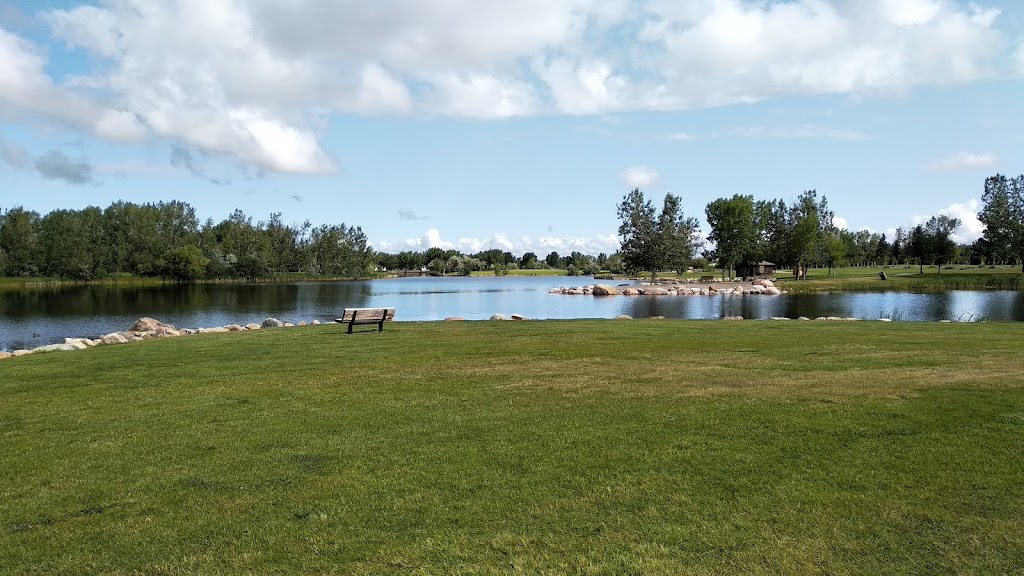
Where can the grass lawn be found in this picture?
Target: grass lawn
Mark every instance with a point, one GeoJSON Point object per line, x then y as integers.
{"type": "Point", "coordinates": [585, 447]}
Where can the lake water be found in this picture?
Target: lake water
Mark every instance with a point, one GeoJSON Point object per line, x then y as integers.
{"type": "Point", "coordinates": [32, 318]}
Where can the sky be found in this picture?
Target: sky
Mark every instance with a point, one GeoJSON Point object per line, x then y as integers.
{"type": "Point", "coordinates": [511, 124]}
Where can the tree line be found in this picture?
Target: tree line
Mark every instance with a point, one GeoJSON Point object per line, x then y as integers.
{"type": "Point", "coordinates": [802, 233]}
{"type": "Point", "coordinates": [166, 240]}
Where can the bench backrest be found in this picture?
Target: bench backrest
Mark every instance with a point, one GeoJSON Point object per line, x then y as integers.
{"type": "Point", "coordinates": [365, 314]}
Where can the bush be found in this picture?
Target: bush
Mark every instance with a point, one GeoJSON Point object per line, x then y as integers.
{"type": "Point", "coordinates": [572, 271]}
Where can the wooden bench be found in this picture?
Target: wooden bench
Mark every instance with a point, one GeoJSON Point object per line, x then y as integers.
{"type": "Point", "coordinates": [360, 316]}
{"type": "Point", "coordinates": [707, 279]}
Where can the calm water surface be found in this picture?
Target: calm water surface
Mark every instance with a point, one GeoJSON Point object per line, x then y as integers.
{"type": "Point", "coordinates": [32, 318]}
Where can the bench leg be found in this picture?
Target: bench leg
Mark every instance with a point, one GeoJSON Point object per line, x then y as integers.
{"type": "Point", "coordinates": [380, 326]}
{"type": "Point", "coordinates": [350, 327]}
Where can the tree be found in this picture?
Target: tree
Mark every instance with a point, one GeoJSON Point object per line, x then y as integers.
{"type": "Point", "coordinates": [186, 264]}
{"type": "Point", "coordinates": [917, 246]}
{"type": "Point", "coordinates": [940, 246]}
{"type": "Point", "coordinates": [1003, 217]}
{"type": "Point", "coordinates": [552, 259]}
{"type": "Point", "coordinates": [805, 238]}
{"type": "Point", "coordinates": [665, 243]}
{"type": "Point", "coordinates": [732, 230]}
{"type": "Point", "coordinates": [19, 240]}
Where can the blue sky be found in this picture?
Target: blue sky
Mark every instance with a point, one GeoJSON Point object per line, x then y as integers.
{"type": "Point", "coordinates": [477, 124]}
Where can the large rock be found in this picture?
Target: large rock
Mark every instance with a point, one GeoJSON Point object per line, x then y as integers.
{"type": "Point", "coordinates": [76, 343]}
{"type": "Point", "coordinates": [252, 326]}
{"type": "Point", "coordinates": [519, 317]}
{"type": "Point", "coordinates": [147, 324]}
{"type": "Point", "coordinates": [630, 292]}
{"type": "Point", "coordinates": [454, 319]}
{"type": "Point", "coordinates": [733, 318]}
{"type": "Point", "coordinates": [655, 291]}
{"type": "Point", "coordinates": [54, 348]}
{"type": "Point", "coordinates": [605, 290]}
{"type": "Point", "coordinates": [623, 317]}
{"type": "Point", "coordinates": [234, 328]}
{"type": "Point", "coordinates": [113, 338]}
{"type": "Point", "coordinates": [272, 323]}
{"type": "Point", "coordinates": [4, 355]}
{"type": "Point", "coordinates": [215, 330]}
{"type": "Point", "coordinates": [314, 323]}
{"type": "Point", "coordinates": [18, 353]}
{"type": "Point", "coordinates": [772, 291]}
{"type": "Point", "coordinates": [498, 317]}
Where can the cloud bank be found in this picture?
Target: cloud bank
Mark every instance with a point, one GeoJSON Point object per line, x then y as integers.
{"type": "Point", "coordinates": [259, 79]}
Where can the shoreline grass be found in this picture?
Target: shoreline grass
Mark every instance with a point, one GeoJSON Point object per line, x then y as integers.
{"type": "Point", "coordinates": [596, 447]}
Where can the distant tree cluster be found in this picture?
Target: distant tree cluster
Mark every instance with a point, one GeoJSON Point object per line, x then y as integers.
{"type": "Point", "coordinates": [656, 241]}
{"type": "Point", "coordinates": [440, 261]}
{"type": "Point", "coordinates": [802, 234]}
{"type": "Point", "coordinates": [1003, 217]}
{"type": "Point", "coordinates": [166, 240]}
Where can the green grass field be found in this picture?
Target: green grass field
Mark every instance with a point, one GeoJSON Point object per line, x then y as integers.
{"type": "Point", "coordinates": [583, 447]}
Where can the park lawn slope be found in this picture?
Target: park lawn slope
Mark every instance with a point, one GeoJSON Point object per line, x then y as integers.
{"type": "Point", "coordinates": [590, 447]}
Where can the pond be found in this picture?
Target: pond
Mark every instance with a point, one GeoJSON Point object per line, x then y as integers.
{"type": "Point", "coordinates": [35, 317]}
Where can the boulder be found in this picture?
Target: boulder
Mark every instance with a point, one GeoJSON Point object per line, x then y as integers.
{"type": "Point", "coordinates": [252, 326]}
{"type": "Point", "coordinates": [216, 330]}
{"type": "Point", "coordinates": [575, 291]}
{"type": "Point", "coordinates": [518, 317]}
{"type": "Point", "coordinates": [76, 343]}
{"type": "Point", "coordinates": [54, 348]}
{"type": "Point", "coordinates": [779, 318]}
{"type": "Point", "coordinates": [498, 317]}
{"type": "Point", "coordinates": [113, 338]}
{"type": "Point", "coordinates": [772, 291]}
{"type": "Point", "coordinates": [803, 318]}
{"type": "Point", "coordinates": [557, 290]}
{"type": "Point", "coordinates": [303, 323]}
{"type": "Point", "coordinates": [657, 318]}
{"type": "Point", "coordinates": [18, 353]}
{"type": "Point", "coordinates": [605, 290]}
{"type": "Point", "coordinates": [288, 325]}
{"type": "Point", "coordinates": [630, 292]}
{"type": "Point", "coordinates": [145, 324]}
{"type": "Point", "coordinates": [234, 328]}
{"type": "Point", "coordinates": [314, 323]}
{"type": "Point", "coordinates": [623, 317]}
{"type": "Point", "coordinates": [885, 319]}
{"type": "Point", "coordinates": [272, 323]}
{"type": "Point", "coordinates": [4, 355]}
{"type": "Point", "coordinates": [851, 319]}
{"type": "Point", "coordinates": [655, 292]}
{"type": "Point", "coordinates": [733, 318]}
{"type": "Point", "coordinates": [454, 319]}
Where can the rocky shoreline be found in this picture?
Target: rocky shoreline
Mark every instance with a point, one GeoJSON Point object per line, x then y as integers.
{"type": "Point", "coordinates": [673, 288]}
{"type": "Point", "coordinates": [146, 329]}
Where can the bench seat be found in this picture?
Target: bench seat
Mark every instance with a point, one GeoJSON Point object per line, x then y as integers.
{"type": "Point", "coordinates": [361, 316]}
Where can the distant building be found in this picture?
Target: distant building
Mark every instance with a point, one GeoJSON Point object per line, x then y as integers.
{"type": "Point", "coordinates": [760, 269]}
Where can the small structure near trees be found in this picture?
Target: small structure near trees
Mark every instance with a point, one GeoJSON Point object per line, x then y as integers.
{"type": "Point", "coordinates": [761, 269]}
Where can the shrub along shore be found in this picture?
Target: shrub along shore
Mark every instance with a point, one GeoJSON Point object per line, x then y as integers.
{"type": "Point", "coordinates": [599, 447]}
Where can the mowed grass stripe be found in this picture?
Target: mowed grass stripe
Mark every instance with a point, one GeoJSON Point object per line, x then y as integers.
{"type": "Point", "coordinates": [593, 447]}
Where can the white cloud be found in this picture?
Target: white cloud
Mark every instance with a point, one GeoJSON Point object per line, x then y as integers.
{"type": "Point", "coordinates": [970, 227]}
{"type": "Point", "coordinates": [607, 243]}
{"type": "Point", "coordinates": [805, 132]}
{"type": "Point", "coordinates": [258, 79]}
{"type": "Point", "coordinates": [840, 223]}
{"type": "Point", "coordinates": [638, 177]}
{"type": "Point", "coordinates": [964, 161]}
{"type": "Point", "coordinates": [681, 137]}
